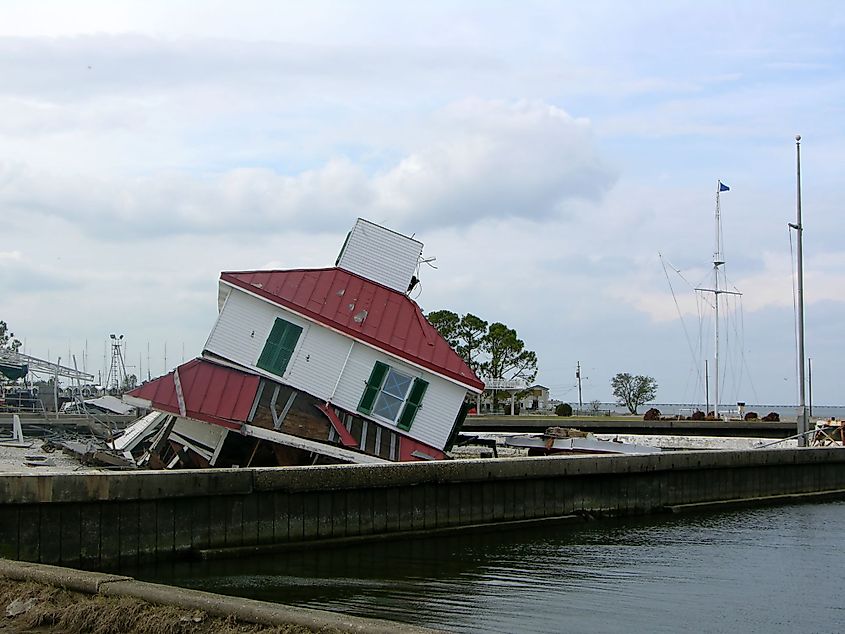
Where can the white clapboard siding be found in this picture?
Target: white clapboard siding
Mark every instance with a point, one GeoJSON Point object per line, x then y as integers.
{"type": "Point", "coordinates": [242, 328]}
{"type": "Point", "coordinates": [440, 405]}
{"type": "Point", "coordinates": [381, 255]}
{"type": "Point", "coordinates": [316, 365]}
{"type": "Point", "coordinates": [319, 358]}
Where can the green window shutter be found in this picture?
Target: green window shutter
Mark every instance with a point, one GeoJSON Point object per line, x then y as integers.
{"type": "Point", "coordinates": [287, 345]}
{"type": "Point", "coordinates": [368, 399]}
{"type": "Point", "coordinates": [279, 347]}
{"type": "Point", "coordinates": [413, 404]}
{"type": "Point", "coordinates": [271, 348]}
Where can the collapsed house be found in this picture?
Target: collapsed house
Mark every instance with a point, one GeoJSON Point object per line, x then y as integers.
{"type": "Point", "coordinates": [304, 366]}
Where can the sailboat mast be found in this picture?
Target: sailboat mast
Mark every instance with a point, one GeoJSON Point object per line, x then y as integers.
{"type": "Point", "coordinates": [717, 262]}
{"type": "Point", "coordinates": [799, 228]}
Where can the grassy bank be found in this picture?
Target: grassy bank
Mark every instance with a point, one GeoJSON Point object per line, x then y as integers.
{"type": "Point", "coordinates": [45, 608]}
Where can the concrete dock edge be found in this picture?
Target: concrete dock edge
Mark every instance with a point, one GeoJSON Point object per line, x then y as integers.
{"type": "Point", "coordinates": [116, 521]}
{"type": "Point", "coordinates": [767, 500]}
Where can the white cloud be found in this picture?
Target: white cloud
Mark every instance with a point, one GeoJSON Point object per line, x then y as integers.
{"type": "Point", "coordinates": [494, 160]}
{"type": "Point", "coordinates": [483, 160]}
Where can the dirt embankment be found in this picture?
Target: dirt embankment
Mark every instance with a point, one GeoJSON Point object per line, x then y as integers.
{"type": "Point", "coordinates": [27, 607]}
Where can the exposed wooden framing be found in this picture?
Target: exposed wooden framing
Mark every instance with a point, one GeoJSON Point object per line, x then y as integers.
{"type": "Point", "coordinates": [416, 453]}
{"type": "Point", "coordinates": [161, 438]}
{"type": "Point", "coordinates": [343, 432]}
{"type": "Point", "coordinates": [276, 422]}
{"type": "Point", "coordinates": [364, 427]}
{"type": "Point", "coordinates": [177, 383]}
{"type": "Point", "coordinates": [286, 409]}
{"type": "Point", "coordinates": [191, 444]}
{"type": "Point", "coordinates": [257, 400]}
{"type": "Point", "coordinates": [254, 449]}
{"type": "Point", "coordinates": [331, 451]}
{"type": "Point", "coordinates": [219, 447]}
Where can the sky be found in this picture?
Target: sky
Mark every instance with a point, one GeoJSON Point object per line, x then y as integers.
{"type": "Point", "coordinates": [559, 160]}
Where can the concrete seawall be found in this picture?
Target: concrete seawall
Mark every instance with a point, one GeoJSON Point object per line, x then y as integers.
{"type": "Point", "coordinates": [107, 520]}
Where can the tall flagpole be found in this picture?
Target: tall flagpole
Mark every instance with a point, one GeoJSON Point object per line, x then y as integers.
{"type": "Point", "coordinates": [799, 228]}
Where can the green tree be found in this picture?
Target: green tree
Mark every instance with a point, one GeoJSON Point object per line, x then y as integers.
{"type": "Point", "coordinates": [493, 351]}
{"type": "Point", "coordinates": [7, 339]}
{"type": "Point", "coordinates": [465, 334]}
{"type": "Point", "coordinates": [563, 409]}
{"type": "Point", "coordinates": [447, 324]}
{"type": "Point", "coordinates": [507, 356]}
{"type": "Point", "coordinates": [632, 391]}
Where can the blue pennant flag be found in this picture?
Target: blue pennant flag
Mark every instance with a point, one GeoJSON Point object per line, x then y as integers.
{"type": "Point", "coordinates": [723, 187]}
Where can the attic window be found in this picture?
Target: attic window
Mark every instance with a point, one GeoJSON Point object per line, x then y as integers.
{"type": "Point", "coordinates": [392, 396]}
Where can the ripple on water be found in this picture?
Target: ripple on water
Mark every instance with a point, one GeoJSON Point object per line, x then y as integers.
{"type": "Point", "coordinates": [762, 570]}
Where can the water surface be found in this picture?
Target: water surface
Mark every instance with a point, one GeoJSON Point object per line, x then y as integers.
{"type": "Point", "coordinates": [778, 569]}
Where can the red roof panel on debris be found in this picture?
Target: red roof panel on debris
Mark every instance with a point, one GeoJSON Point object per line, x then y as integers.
{"type": "Point", "coordinates": [212, 393]}
{"type": "Point", "coordinates": [362, 309]}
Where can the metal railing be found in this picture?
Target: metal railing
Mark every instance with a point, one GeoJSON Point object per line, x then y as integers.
{"type": "Point", "coordinates": [505, 384]}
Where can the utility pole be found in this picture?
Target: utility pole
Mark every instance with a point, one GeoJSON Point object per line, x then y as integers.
{"type": "Point", "coordinates": [810, 384]}
{"type": "Point", "coordinates": [578, 376]}
{"type": "Point", "coordinates": [799, 229]}
{"type": "Point", "coordinates": [706, 388]}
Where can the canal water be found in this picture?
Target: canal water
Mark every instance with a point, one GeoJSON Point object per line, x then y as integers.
{"type": "Point", "coordinates": [776, 569]}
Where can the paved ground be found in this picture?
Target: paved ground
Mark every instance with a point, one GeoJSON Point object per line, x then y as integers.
{"type": "Point", "coordinates": [34, 459]}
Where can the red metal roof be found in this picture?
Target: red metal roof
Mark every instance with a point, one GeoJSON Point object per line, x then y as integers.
{"type": "Point", "coordinates": [212, 393]}
{"type": "Point", "coordinates": [362, 309]}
